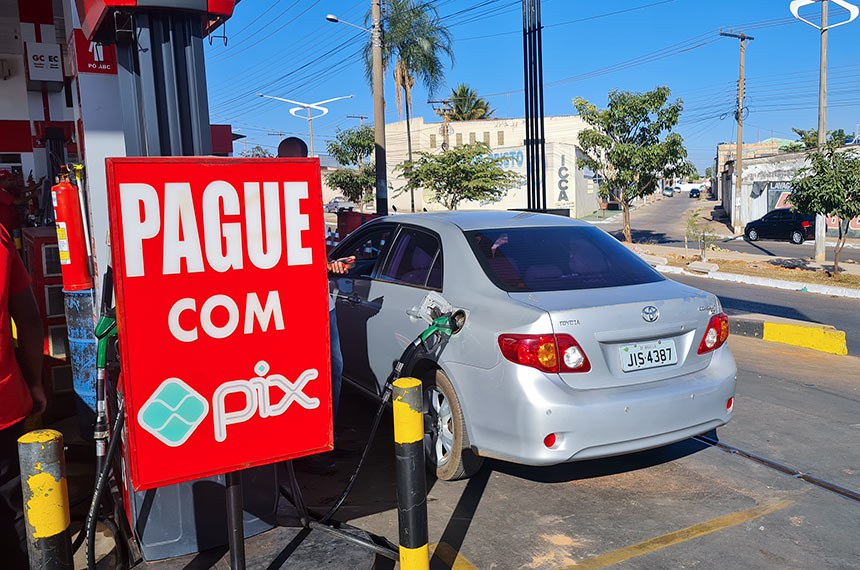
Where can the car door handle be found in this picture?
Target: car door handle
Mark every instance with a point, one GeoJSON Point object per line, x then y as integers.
{"type": "Point", "coordinates": [353, 299]}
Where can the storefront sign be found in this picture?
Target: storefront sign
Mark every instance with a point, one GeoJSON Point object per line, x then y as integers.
{"type": "Point", "coordinates": [44, 62]}
{"type": "Point", "coordinates": [93, 57]}
{"type": "Point", "coordinates": [223, 313]}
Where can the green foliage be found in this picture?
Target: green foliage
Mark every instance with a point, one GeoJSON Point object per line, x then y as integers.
{"type": "Point", "coordinates": [631, 144]}
{"type": "Point", "coordinates": [466, 105]}
{"type": "Point", "coordinates": [809, 139]}
{"type": "Point", "coordinates": [256, 151]}
{"type": "Point", "coordinates": [829, 185]}
{"type": "Point", "coordinates": [709, 172]}
{"type": "Point", "coordinates": [698, 232]}
{"type": "Point", "coordinates": [415, 42]}
{"type": "Point", "coordinates": [357, 185]}
{"type": "Point", "coordinates": [352, 147]}
{"type": "Point", "coordinates": [465, 172]}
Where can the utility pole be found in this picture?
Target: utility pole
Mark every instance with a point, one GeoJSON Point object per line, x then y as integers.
{"type": "Point", "coordinates": [820, 220]}
{"type": "Point", "coordinates": [853, 12]}
{"type": "Point", "coordinates": [361, 118]}
{"type": "Point", "coordinates": [739, 114]}
{"type": "Point", "coordinates": [318, 106]}
{"type": "Point", "coordinates": [379, 109]}
{"type": "Point", "coordinates": [445, 114]}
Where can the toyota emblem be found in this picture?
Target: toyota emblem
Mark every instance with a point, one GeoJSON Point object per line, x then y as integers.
{"type": "Point", "coordinates": [650, 314]}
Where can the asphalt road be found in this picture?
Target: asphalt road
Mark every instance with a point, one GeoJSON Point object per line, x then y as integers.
{"type": "Point", "coordinates": [664, 221]}
{"type": "Point", "coordinates": [687, 505]}
{"type": "Point", "coordinates": [737, 299]}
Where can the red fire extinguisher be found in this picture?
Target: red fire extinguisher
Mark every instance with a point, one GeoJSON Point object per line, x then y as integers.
{"type": "Point", "coordinates": [71, 236]}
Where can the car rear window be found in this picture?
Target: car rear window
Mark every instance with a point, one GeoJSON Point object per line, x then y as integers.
{"type": "Point", "coordinates": [557, 259]}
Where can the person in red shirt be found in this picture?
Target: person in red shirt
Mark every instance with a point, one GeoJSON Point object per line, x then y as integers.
{"type": "Point", "coordinates": [21, 393]}
{"type": "Point", "coordinates": [13, 195]}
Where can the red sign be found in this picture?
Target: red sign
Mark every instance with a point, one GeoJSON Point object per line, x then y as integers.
{"type": "Point", "coordinates": [92, 57]}
{"type": "Point", "coordinates": [94, 13]}
{"type": "Point", "coordinates": [222, 307]}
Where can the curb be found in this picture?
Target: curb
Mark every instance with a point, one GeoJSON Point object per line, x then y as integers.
{"type": "Point", "coordinates": [846, 292]}
{"type": "Point", "coordinates": [823, 338]}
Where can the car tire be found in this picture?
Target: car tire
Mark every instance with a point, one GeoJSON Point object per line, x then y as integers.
{"type": "Point", "coordinates": [796, 237]}
{"type": "Point", "coordinates": [446, 443]}
{"type": "Point", "coordinates": [752, 235]}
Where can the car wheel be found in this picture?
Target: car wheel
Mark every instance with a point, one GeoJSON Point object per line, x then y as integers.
{"type": "Point", "coordinates": [752, 235]}
{"type": "Point", "coordinates": [796, 237]}
{"type": "Point", "coordinates": [446, 443]}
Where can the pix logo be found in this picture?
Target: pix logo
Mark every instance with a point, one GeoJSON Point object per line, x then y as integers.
{"type": "Point", "coordinates": [175, 409]}
{"type": "Point", "coordinates": [173, 412]}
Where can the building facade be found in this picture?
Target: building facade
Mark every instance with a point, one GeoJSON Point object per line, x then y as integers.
{"type": "Point", "coordinates": [566, 185]}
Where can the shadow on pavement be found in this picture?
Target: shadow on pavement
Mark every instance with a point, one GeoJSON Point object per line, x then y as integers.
{"type": "Point", "coordinates": [461, 519]}
{"type": "Point", "coordinates": [594, 468]}
{"type": "Point", "coordinates": [644, 236]}
{"type": "Point", "coordinates": [735, 306]}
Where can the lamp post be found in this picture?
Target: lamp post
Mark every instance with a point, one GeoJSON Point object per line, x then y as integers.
{"type": "Point", "coordinates": [853, 12]}
{"type": "Point", "coordinates": [318, 106]}
{"type": "Point", "coordinates": [378, 103]}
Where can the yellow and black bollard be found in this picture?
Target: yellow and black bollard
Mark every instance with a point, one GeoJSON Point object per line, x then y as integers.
{"type": "Point", "coordinates": [46, 500]}
{"type": "Point", "coordinates": [411, 481]}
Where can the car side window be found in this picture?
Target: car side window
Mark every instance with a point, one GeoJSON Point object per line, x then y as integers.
{"type": "Point", "coordinates": [415, 259]}
{"type": "Point", "coordinates": [367, 249]}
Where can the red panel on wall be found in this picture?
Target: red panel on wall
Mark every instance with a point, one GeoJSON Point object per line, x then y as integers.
{"type": "Point", "coordinates": [36, 11]}
{"type": "Point", "coordinates": [15, 136]}
{"type": "Point", "coordinates": [222, 139]}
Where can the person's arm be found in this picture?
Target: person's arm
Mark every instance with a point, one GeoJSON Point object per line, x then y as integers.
{"type": "Point", "coordinates": [341, 265]}
{"type": "Point", "coordinates": [25, 312]}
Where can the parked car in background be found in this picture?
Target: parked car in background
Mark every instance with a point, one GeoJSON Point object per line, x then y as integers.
{"type": "Point", "coordinates": [695, 193]}
{"type": "Point", "coordinates": [782, 224]}
{"type": "Point", "coordinates": [669, 192]}
{"type": "Point", "coordinates": [339, 203]}
{"type": "Point", "coordinates": [571, 347]}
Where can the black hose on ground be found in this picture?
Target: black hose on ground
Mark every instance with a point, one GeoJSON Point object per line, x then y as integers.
{"type": "Point", "coordinates": [101, 484]}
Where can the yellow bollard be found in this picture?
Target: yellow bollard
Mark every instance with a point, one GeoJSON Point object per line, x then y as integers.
{"type": "Point", "coordinates": [46, 500]}
{"type": "Point", "coordinates": [411, 478]}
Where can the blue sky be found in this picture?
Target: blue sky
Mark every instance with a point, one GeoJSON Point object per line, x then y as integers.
{"type": "Point", "coordinates": [286, 48]}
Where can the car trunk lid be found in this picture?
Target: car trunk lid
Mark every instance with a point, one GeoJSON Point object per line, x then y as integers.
{"type": "Point", "coordinates": [633, 334]}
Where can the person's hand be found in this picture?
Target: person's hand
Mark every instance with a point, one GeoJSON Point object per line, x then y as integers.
{"type": "Point", "coordinates": [40, 401]}
{"type": "Point", "coordinates": [341, 265]}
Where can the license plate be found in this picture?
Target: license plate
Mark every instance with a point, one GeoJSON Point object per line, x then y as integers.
{"type": "Point", "coordinates": [642, 355]}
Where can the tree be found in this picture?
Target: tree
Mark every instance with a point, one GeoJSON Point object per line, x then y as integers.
{"type": "Point", "coordinates": [466, 172]}
{"type": "Point", "coordinates": [466, 105]}
{"type": "Point", "coordinates": [256, 151]}
{"type": "Point", "coordinates": [709, 172]}
{"type": "Point", "coordinates": [829, 185]}
{"type": "Point", "coordinates": [353, 148]}
{"type": "Point", "coordinates": [809, 139]}
{"type": "Point", "coordinates": [415, 43]}
{"type": "Point", "coordinates": [628, 145]}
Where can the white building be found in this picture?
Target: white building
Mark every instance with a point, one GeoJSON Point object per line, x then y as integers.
{"type": "Point", "coordinates": [566, 186]}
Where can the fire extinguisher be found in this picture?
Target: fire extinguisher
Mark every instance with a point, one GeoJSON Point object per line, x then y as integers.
{"type": "Point", "coordinates": [71, 235]}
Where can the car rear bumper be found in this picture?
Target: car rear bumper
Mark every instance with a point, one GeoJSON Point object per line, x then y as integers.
{"type": "Point", "coordinates": [526, 406]}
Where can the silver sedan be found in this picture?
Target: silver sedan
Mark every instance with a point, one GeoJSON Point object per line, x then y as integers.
{"type": "Point", "coordinates": [572, 347]}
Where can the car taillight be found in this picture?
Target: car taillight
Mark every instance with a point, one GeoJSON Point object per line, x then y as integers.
{"type": "Point", "coordinates": [805, 224]}
{"type": "Point", "coordinates": [546, 352]}
{"type": "Point", "coordinates": [716, 333]}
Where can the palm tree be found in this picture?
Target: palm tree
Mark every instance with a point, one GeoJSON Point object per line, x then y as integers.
{"type": "Point", "coordinates": [415, 43]}
{"type": "Point", "coordinates": [466, 105]}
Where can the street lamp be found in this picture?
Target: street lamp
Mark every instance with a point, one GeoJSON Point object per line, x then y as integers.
{"type": "Point", "coordinates": [853, 12]}
{"type": "Point", "coordinates": [378, 103]}
{"type": "Point", "coordinates": [318, 106]}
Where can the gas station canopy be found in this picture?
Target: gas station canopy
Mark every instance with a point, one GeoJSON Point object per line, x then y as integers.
{"type": "Point", "coordinates": [96, 16]}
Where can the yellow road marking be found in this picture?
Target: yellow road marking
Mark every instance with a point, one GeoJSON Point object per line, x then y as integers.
{"type": "Point", "coordinates": [677, 537]}
{"type": "Point", "coordinates": [452, 559]}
